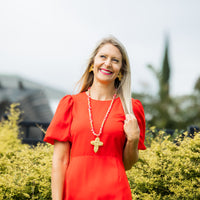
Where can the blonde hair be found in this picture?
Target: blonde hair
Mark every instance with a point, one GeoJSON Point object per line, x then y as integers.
{"type": "Point", "coordinates": [124, 86]}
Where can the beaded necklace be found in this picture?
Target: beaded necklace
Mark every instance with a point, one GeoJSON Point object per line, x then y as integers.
{"type": "Point", "coordinates": [97, 143]}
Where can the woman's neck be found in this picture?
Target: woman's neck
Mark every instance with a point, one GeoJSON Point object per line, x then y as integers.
{"type": "Point", "coordinates": [102, 92]}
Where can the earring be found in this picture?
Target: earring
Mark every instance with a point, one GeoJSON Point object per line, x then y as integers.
{"type": "Point", "coordinates": [120, 76]}
{"type": "Point", "coordinates": [91, 68]}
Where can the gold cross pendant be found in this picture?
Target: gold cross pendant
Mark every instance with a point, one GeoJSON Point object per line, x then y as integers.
{"type": "Point", "coordinates": [97, 143]}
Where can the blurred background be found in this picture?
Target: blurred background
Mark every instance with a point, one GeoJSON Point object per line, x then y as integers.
{"type": "Point", "coordinates": [45, 44]}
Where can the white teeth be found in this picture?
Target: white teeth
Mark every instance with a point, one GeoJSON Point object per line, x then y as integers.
{"type": "Point", "coordinates": [107, 72]}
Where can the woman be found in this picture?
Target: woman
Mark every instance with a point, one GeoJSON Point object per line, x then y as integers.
{"type": "Point", "coordinates": [97, 132]}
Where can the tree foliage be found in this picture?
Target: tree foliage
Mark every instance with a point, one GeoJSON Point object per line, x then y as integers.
{"type": "Point", "coordinates": [165, 111]}
{"type": "Point", "coordinates": [165, 76]}
{"type": "Point", "coordinates": [197, 85]}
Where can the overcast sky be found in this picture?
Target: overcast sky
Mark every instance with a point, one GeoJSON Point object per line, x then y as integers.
{"type": "Point", "coordinates": [49, 41]}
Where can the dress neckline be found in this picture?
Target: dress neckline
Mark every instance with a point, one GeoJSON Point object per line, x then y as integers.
{"type": "Point", "coordinates": [109, 100]}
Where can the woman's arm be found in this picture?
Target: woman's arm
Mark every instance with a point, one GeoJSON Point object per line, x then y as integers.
{"type": "Point", "coordinates": [132, 131]}
{"type": "Point", "coordinates": [61, 158]}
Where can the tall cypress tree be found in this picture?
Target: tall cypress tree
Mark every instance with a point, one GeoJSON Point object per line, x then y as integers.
{"type": "Point", "coordinates": [165, 76]}
{"type": "Point", "coordinates": [197, 85]}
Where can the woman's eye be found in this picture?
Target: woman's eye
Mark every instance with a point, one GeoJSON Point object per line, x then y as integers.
{"type": "Point", "coordinates": [115, 60]}
{"type": "Point", "coordinates": [102, 56]}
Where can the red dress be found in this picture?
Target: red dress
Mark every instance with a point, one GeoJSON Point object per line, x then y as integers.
{"type": "Point", "coordinates": [90, 175]}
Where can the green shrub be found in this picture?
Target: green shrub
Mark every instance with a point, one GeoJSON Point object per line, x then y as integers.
{"type": "Point", "coordinates": [24, 171]}
{"type": "Point", "coordinates": [167, 170]}
{"type": "Point", "coordinates": [164, 171]}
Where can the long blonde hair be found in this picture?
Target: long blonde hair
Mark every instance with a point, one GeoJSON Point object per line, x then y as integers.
{"type": "Point", "coordinates": [124, 86]}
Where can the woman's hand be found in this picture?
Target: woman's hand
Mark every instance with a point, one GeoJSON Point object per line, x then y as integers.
{"type": "Point", "coordinates": [131, 128]}
{"type": "Point", "coordinates": [132, 132]}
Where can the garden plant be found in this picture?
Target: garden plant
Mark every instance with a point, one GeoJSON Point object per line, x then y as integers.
{"type": "Point", "coordinates": [168, 169]}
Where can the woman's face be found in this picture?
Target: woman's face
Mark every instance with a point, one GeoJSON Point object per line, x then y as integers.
{"type": "Point", "coordinates": [107, 64]}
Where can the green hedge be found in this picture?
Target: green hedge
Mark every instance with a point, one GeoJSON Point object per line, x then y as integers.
{"type": "Point", "coordinates": [164, 171]}
{"type": "Point", "coordinates": [24, 171]}
{"type": "Point", "coordinates": [167, 170]}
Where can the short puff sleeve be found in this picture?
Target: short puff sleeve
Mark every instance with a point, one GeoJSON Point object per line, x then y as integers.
{"type": "Point", "coordinates": [59, 128]}
{"type": "Point", "coordinates": [138, 110]}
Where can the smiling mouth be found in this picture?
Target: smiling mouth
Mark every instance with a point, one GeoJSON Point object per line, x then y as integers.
{"type": "Point", "coordinates": [105, 72]}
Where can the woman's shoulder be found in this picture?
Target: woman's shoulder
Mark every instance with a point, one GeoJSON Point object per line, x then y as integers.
{"type": "Point", "coordinates": [140, 115]}
{"type": "Point", "coordinates": [137, 102]}
{"type": "Point", "coordinates": [71, 98]}
{"type": "Point", "coordinates": [137, 106]}
{"type": "Point", "coordinates": [78, 97]}
{"type": "Point", "coordinates": [65, 104]}
{"type": "Point", "coordinates": [66, 99]}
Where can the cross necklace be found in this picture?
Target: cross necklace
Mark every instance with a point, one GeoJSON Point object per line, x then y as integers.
{"type": "Point", "coordinates": [97, 143]}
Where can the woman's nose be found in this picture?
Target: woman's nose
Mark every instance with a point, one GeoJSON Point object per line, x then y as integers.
{"type": "Point", "coordinates": [108, 63]}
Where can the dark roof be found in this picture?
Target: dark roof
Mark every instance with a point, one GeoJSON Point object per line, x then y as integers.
{"type": "Point", "coordinates": [33, 103]}
{"type": "Point", "coordinates": [15, 81]}
{"type": "Point", "coordinates": [34, 98]}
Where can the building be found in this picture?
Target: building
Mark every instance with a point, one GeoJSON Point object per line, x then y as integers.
{"type": "Point", "coordinates": [37, 102]}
